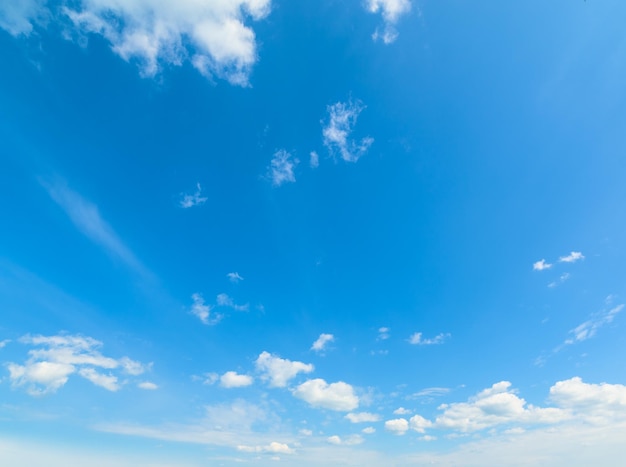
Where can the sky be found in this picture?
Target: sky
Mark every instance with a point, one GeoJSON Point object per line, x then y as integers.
{"type": "Point", "coordinates": [263, 232]}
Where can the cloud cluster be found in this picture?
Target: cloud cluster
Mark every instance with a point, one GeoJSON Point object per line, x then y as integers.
{"type": "Point", "coordinates": [342, 117]}
{"type": "Point", "coordinates": [212, 34]}
{"type": "Point", "coordinates": [56, 358]}
{"type": "Point", "coordinates": [391, 11]}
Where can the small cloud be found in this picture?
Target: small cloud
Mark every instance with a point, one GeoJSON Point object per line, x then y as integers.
{"type": "Point", "coordinates": [314, 161]}
{"type": "Point", "coordinates": [416, 339]}
{"type": "Point", "coordinates": [194, 199]}
{"type": "Point", "coordinates": [572, 257]}
{"type": "Point", "coordinates": [369, 430]}
{"type": "Point", "coordinates": [427, 438]}
{"type": "Point", "coordinates": [273, 447]}
{"type": "Point", "coordinates": [279, 371]}
{"type": "Point", "coordinates": [562, 279]}
{"type": "Point", "coordinates": [203, 311]}
{"type": "Point", "coordinates": [234, 277]}
{"type": "Point", "coordinates": [383, 333]}
{"type": "Point", "coordinates": [363, 417]}
{"type": "Point", "coordinates": [224, 300]}
{"type": "Point", "coordinates": [351, 440]}
{"type": "Point", "coordinates": [342, 117]}
{"type": "Point", "coordinates": [320, 344]}
{"type": "Point", "coordinates": [210, 378]}
{"type": "Point", "coordinates": [147, 385]}
{"type": "Point", "coordinates": [338, 396]}
{"type": "Point", "coordinates": [391, 11]}
{"type": "Point", "coordinates": [305, 432]}
{"type": "Point", "coordinates": [401, 411]}
{"type": "Point", "coordinates": [541, 265]}
{"type": "Point", "coordinates": [281, 168]}
{"type": "Point", "coordinates": [232, 379]}
{"type": "Point", "coordinates": [589, 328]}
{"type": "Point", "coordinates": [398, 426]}
{"type": "Point", "coordinates": [4, 343]}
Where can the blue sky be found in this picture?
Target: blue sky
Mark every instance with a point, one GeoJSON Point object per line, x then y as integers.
{"type": "Point", "coordinates": [384, 232]}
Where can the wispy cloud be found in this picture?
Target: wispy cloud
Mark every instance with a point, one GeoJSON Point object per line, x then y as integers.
{"type": "Point", "coordinates": [589, 328]}
{"type": "Point", "coordinates": [194, 199]}
{"type": "Point", "coordinates": [541, 265]}
{"type": "Point", "coordinates": [342, 117]}
{"type": "Point", "coordinates": [225, 300]}
{"type": "Point", "coordinates": [202, 310]}
{"type": "Point", "coordinates": [234, 277]}
{"type": "Point", "coordinates": [562, 278]}
{"type": "Point", "coordinates": [321, 342]}
{"type": "Point", "coordinates": [391, 11]}
{"type": "Point", "coordinates": [417, 339]}
{"type": "Point", "coordinates": [281, 168]}
{"type": "Point", "coordinates": [314, 160]}
{"type": "Point", "coordinates": [55, 358]}
{"type": "Point", "coordinates": [87, 219]}
{"type": "Point", "coordinates": [212, 34]}
{"type": "Point", "coordinates": [572, 257]}
{"type": "Point", "coordinates": [350, 440]}
{"type": "Point", "coordinates": [363, 417]}
{"type": "Point", "coordinates": [383, 333]}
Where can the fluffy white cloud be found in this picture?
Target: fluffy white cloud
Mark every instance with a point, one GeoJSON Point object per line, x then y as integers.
{"type": "Point", "coordinates": [363, 417]}
{"type": "Point", "coordinates": [224, 300]}
{"type": "Point", "coordinates": [590, 327]}
{"type": "Point", "coordinates": [273, 447]}
{"type": "Point", "coordinates": [401, 411]}
{"type": "Point", "coordinates": [599, 403]}
{"type": "Point", "coordinates": [49, 367]}
{"type": "Point", "coordinates": [232, 379]}
{"type": "Point", "coordinates": [369, 430]}
{"type": "Point", "coordinates": [281, 168]}
{"type": "Point", "coordinates": [338, 396]}
{"type": "Point", "coordinates": [234, 277]}
{"type": "Point", "coordinates": [572, 257]}
{"type": "Point", "coordinates": [194, 199]}
{"type": "Point", "coordinates": [494, 406]}
{"type": "Point", "coordinates": [211, 34]}
{"type": "Point", "coordinates": [342, 117]}
{"type": "Point", "coordinates": [391, 11]}
{"type": "Point", "coordinates": [416, 339]}
{"type": "Point", "coordinates": [399, 426]}
{"type": "Point", "coordinates": [322, 340]}
{"type": "Point", "coordinates": [351, 440]}
{"type": "Point", "coordinates": [279, 371]}
{"type": "Point", "coordinates": [202, 310]}
{"type": "Point", "coordinates": [147, 385]}
{"type": "Point", "coordinates": [419, 423]}
{"type": "Point", "coordinates": [541, 265]}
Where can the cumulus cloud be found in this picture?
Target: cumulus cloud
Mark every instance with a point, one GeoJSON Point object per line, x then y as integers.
{"type": "Point", "coordinates": [342, 117]}
{"type": "Point", "coordinates": [224, 300]}
{"type": "Point", "coordinates": [401, 411]}
{"type": "Point", "coordinates": [398, 426]}
{"type": "Point", "coordinates": [202, 310]}
{"type": "Point", "coordinates": [56, 358]}
{"type": "Point", "coordinates": [194, 199]}
{"type": "Point", "coordinates": [232, 379]}
{"type": "Point", "coordinates": [363, 417]}
{"type": "Point", "coordinates": [273, 447]}
{"type": "Point", "coordinates": [589, 328]}
{"type": "Point", "coordinates": [351, 440]}
{"type": "Point", "coordinates": [417, 339]}
{"type": "Point", "coordinates": [338, 396]}
{"type": "Point", "coordinates": [148, 386]}
{"type": "Point", "coordinates": [541, 265]}
{"type": "Point", "coordinates": [279, 371]}
{"type": "Point", "coordinates": [369, 430]}
{"type": "Point", "coordinates": [391, 11]}
{"type": "Point", "coordinates": [322, 340]}
{"type": "Point", "coordinates": [234, 277]}
{"type": "Point", "coordinates": [212, 35]}
{"type": "Point", "coordinates": [572, 257]}
{"type": "Point", "coordinates": [280, 170]}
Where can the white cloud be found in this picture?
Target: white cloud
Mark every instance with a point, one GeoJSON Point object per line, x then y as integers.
{"type": "Point", "coordinates": [281, 168]}
{"type": "Point", "coordinates": [234, 277]}
{"type": "Point", "coordinates": [273, 447]}
{"type": "Point", "coordinates": [391, 11]}
{"type": "Point", "coordinates": [147, 385]}
{"type": "Point", "coordinates": [541, 265]}
{"type": "Point", "coordinates": [398, 426]}
{"type": "Point", "coordinates": [4, 343]}
{"type": "Point", "coordinates": [401, 411]}
{"type": "Point", "coordinates": [314, 161]}
{"type": "Point", "coordinates": [562, 278]}
{"type": "Point", "coordinates": [589, 328]}
{"type": "Point", "coordinates": [419, 423]}
{"type": "Point", "coordinates": [416, 339]}
{"type": "Point", "coordinates": [342, 117]}
{"type": "Point", "coordinates": [572, 257]}
{"type": "Point", "coordinates": [232, 379]}
{"type": "Point", "coordinates": [369, 430]}
{"type": "Point", "coordinates": [202, 310]}
{"type": "Point", "coordinates": [279, 371]}
{"type": "Point", "coordinates": [224, 300]}
{"type": "Point", "coordinates": [338, 396]}
{"type": "Point", "coordinates": [108, 382]}
{"type": "Point", "coordinates": [211, 378]}
{"type": "Point", "coordinates": [49, 367]}
{"type": "Point", "coordinates": [322, 340]}
{"type": "Point", "coordinates": [195, 199]}
{"type": "Point", "coordinates": [383, 333]}
{"type": "Point", "coordinates": [87, 219]}
{"type": "Point", "coordinates": [363, 417]}
{"type": "Point", "coordinates": [351, 440]}
{"type": "Point", "coordinates": [211, 35]}
{"type": "Point", "coordinates": [305, 432]}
